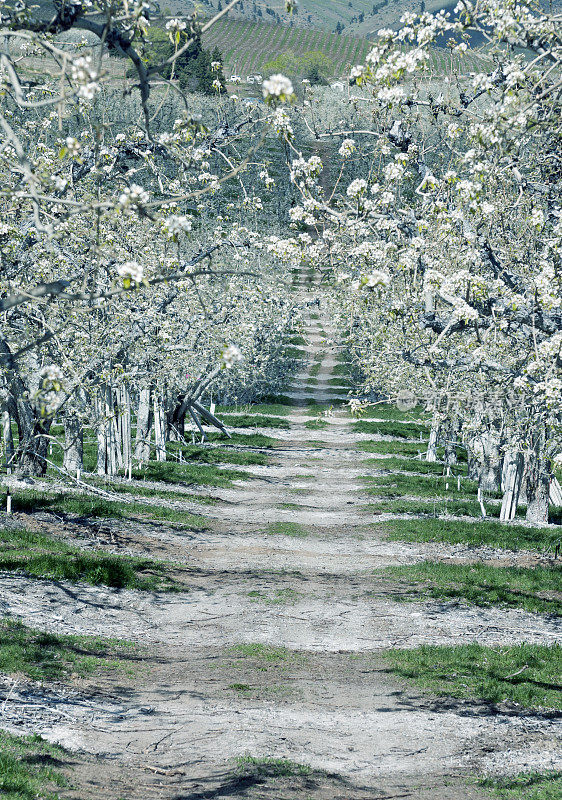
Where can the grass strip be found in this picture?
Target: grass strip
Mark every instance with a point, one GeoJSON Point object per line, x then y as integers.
{"type": "Point", "coordinates": [29, 768]}
{"type": "Point", "coordinates": [401, 430]}
{"type": "Point", "coordinates": [395, 485]}
{"type": "Point", "coordinates": [189, 474]}
{"type": "Point", "coordinates": [535, 589]}
{"type": "Point", "coordinates": [39, 555]}
{"type": "Point", "coordinates": [31, 500]}
{"type": "Point", "coordinates": [386, 411]}
{"type": "Point", "coordinates": [281, 409]}
{"type": "Point", "coordinates": [316, 424]}
{"type": "Point", "coordinates": [254, 421]}
{"type": "Point", "coordinates": [390, 448]}
{"type": "Point", "coordinates": [526, 674]}
{"type": "Point", "coordinates": [526, 786]}
{"type": "Point", "coordinates": [245, 439]}
{"type": "Point", "coordinates": [46, 656]}
{"type": "Point", "coordinates": [202, 454]}
{"type": "Point", "coordinates": [415, 465]}
{"type": "Point", "coordinates": [261, 768]}
{"type": "Point", "coordinates": [476, 534]}
{"type": "Point", "coordinates": [287, 529]}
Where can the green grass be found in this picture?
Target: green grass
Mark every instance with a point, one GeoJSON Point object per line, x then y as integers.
{"type": "Point", "coordinates": [396, 486]}
{"type": "Point", "coordinates": [415, 465]}
{"type": "Point", "coordinates": [526, 786]}
{"type": "Point", "coordinates": [202, 454]}
{"type": "Point", "coordinates": [316, 424]}
{"type": "Point", "coordinates": [485, 673]}
{"type": "Point", "coordinates": [296, 339]}
{"type": "Point", "coordinates": [254, 421]}
{"type": "Point", "coordinates": [402, 430]}
{"type": "Point", "coordinates": [386, 411]}
{"type": "Point", "coordinates": [537, 589]}
{"type": "Point", "coordinates": [314, 370]}
{"type": "Point", "coordinates": [29, 500]}
{"type": "Point", "coordinates": [137, 487]}
{"type": "Point", "coordinates": [246, 439]}
{"type": "Point", "coordinates": [189, 474]}
{"type": "Point", "coordinates": [476, 534]}
{"type": "Point", "coordinates": [46, 656]}
{"type": "Point", "coordinates": [270, 767]}
{"type": "Point", "coordinates": [262, 652]}
{"type": "Point", "coordinates": [287, 529]}
{"type": "Point", "coordinates": [294, 353]}
{"type": "Point", "coordinates": [400, 448]}
{"type": "Point", "coordinates": [343, 382]}
{"type": "Point", "coordinates": [265, 409]}
{"type": "Point", "coordinates": [436, 508]}
{"type": "Point", "coordinates": [341, 370]}
{"type": "Point", "coordinates": [41, 556]}
{"type": "Point", "coordinates": [278, 597]}
{"type": "Point", "coordinates": [29, 768]}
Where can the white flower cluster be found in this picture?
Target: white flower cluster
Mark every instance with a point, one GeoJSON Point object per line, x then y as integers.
{"type": "Point", "coordinates": [50, 386]}
{"type": "Point", "coordinates": [134, 196]}
{"type": "Point", "coordinates": [231, 355]}
{"type": "Point", "coordinates": [131, 271]}
{"type": "Point", "coordinates": [175, 25]}
{"type": "Point", "coordinates": [278, 88]}
{"type": "Point", "coordinates": [176, 224]}
{"type": "Point", "coordinates": [357, 187]}
{"type": "Point", "coordinates": [300, 214]}
{"type": "Point", "coordinates": [356, 73]}
{"type": "Point", "coordinates": [72, 146]}
{"type": "Point", "coordinates": [375, 279]}
{"type": "Point", "coordinates": [303, 171]}
{"type": "Point", "coordinates": [287, 250]}
{"type": "Point", "coordinates": [267, 179]}
{"type": "Point", "coordinates": [217, 85]}
{"type": "Point", "coordinates": [50, 375]}
{"type": "Point", "coordinates": [83, 73]}
{"type": "Point", "coordinates": [347, 148]}
{"type": "Point", "coordinates": [281, 121]}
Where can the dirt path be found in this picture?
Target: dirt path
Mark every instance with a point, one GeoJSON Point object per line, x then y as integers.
{"type": "Point", "coordinates": [274, 651]}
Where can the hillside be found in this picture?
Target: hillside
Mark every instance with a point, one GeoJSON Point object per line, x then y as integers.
{"type": "Point", "coordinates": [247, 46]}
{"type": "Point", "coordinates": [353, 18]}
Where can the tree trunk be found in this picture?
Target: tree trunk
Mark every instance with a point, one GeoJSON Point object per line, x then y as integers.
{"type": "Point", "coordinates": [490, 472]}
{"type": "Point", "coordinates": [107, 444]}
{"type": "Point", "coordinates": [31, 454]}
{"type": "Point", "coordinates": [125, 425]}
{"type": "Point", "coordinates": [431, 454]}
{"type": "Point", "coordinates": [144, 424]}
{"type": "Point", "coordinates": [73, 459]}
{"type": "Point", "coordinates": [159, 428]}
{"type": "Point", "coordinates": [538, 481]}
{"type": "Point", "coordinates": [176, 419]}
{"type": "Point", "coordinates": [8, 438]}
{"type": "Point", "coordinates": [511, 480]}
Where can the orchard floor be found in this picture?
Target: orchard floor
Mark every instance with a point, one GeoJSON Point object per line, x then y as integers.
{"type": "Point", "coordinates": [272, 654]}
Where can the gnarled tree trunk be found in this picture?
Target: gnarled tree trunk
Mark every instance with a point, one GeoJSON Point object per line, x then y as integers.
{"type": "Point", "coordinates": [144, 424]}
{"type": "Point", "coordinates": [538, 480]}
{"type": "Point", "coordinates": [73, 458]}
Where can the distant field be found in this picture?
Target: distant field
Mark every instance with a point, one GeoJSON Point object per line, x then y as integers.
{"type": "Point", "coordinates": [247, 46]}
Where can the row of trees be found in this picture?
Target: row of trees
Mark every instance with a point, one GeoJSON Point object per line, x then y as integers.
{"type": "Point", "coordinates": [442, 230]}
{"type": "Point", "coordinates": [144, 248]}
{"type": "Point", "coordinates": [134, 281]}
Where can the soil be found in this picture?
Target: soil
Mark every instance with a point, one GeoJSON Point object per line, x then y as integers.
{"type": "Point", "coordinates": [274, 648]}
